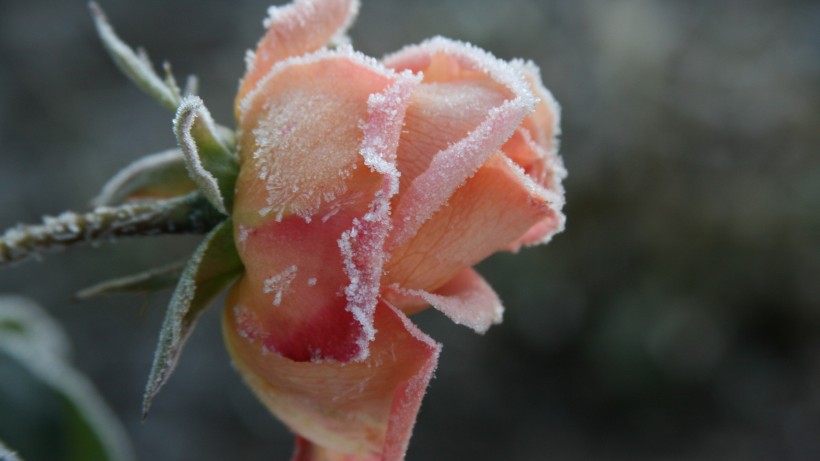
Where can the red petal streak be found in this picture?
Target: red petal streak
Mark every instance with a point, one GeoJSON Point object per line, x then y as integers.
{"type": "Point", "coordinates": [363, 409]}
{"type": "Point", "coordinates": [295, 29]}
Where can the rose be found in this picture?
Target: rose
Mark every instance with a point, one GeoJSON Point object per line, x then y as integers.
{"type": "Point", "coordinates": [366, 192]}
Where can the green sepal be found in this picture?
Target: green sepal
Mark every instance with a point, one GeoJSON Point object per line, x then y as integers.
{"type": "Point", "coordinates": [34, 356]}
{"type": "Point", "coordinates": [210, 160]}
{"type": "Point", "coordinates": [213, 266]}
{"type": "Point", "coordinates": [156, 176]}
{"type": "Point", "coordinates": [135, 65]}
{"type": "Point", "coordinates": [149, 281]}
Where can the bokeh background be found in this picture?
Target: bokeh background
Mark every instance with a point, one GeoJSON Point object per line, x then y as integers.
{"type": "Point", "coordinates": [677, 317]}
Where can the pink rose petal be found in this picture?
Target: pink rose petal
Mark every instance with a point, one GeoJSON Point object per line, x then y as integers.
{"type": "Point", "coordinates": [535, 149]}
{"type": "Point", "coordinates": [311, 238]}
{"type": "Point", "coordinates": [358, 410]}
{"type": "Point", "coordinates": [451, 167]}
{"type": "Point", "coordinates": [295, 29]}
{"type": "Point", "coordinates": [495, 207]}
{"type": "Point", "coordinates": [467, 299]}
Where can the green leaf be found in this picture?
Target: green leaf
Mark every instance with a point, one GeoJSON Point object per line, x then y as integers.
{"type": "Point", "coordinates": [210, 162]}
{"type": "Point", "coordinates": [135, 65]}
{"type": "Point", "coordinates": [213, 266]}
{"type": "Point", "coordinates": [47, 408]}
{"type": "Point", "coordinates": [156, 176]}
{"type": "Point", "coordinates": [156, 279]}
{"type": "Point", "coordinates": [6, 454]}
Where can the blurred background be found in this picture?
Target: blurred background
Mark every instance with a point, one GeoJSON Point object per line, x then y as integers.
{"type": "Point", "coordinates": [677, 317]}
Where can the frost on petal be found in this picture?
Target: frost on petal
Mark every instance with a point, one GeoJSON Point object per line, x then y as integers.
{"type": "Point", "coordinates": [497, 206]}
{"type": "Point", "coordinates": [300, 27]}
{"type": "Point", "coordinates": [467, 300]}
{"type": "Point", "coordinates": [534, 147]}
{"type": "Point", "coordinates": [319, 116]}
{"type": "Point", "coordinates": [359, 410]}
{"type": "Point", "coordinates": [299, 146]}
{"type": "Point", "coordinates": [362, 246]}
{"type": "Point", "coordinates": [447, 62]}
{"type": "Point", "coordinates": [544, 122]}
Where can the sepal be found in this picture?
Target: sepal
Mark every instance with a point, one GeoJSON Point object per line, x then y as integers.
{"type": "Point", "coordinates": [148, 281]}
{"type": "Point", "coordinates": [213, 266]}
{"type": "Point", "coordinates": [135, 65]}
{"type": "Point", "coordinates": [208, 158]}
{"type": "Point", "coordinates": [156, 176]}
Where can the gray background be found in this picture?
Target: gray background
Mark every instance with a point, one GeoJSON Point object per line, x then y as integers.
{"type": "Point", "coordinates": [677, 318]}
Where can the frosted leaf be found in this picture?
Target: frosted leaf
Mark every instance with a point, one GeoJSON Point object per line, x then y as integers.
{"type": "Point", "coordinates": [213, 266]}
{"type": "Point", "coordinates": [148, 281]}
{"type": "Point", "coordinates": [157, 175]}
{"type": "Point", "coordinates": [208, 160]}
{"type": "Point", "coordinates": [32, 339]}
{"type": "Point", "coordinates": [280, 283]}
{"type": "Point", "coordinates": [191, 86]}
{"type": "Point", "coordinates": [136, 66]}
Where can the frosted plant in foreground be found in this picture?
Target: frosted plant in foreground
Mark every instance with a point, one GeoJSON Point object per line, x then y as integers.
{"type": "Point", "coordinates": [354, 192]}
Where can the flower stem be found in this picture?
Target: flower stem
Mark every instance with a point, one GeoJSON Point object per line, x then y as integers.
{"type": "Point", "coordinates": [189, 214]}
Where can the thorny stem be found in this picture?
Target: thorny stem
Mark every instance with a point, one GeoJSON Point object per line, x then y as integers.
{"type": "Point", "coordinates": [189, 214]}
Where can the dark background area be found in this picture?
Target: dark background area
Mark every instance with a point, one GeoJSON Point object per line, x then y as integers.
{"type": "Point", "coordinates": [677, 318]}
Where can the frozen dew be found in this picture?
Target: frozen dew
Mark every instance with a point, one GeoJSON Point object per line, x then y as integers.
{"type": "Point", "coordinates": [362, 246]}
{"type": "Point", "coordinates": [280, 283]}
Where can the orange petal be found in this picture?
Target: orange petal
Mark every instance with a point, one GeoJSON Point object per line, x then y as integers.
{"type": "Point", "coordinates": [494, 208]}
{"type": "Point", "coordinates": [350, 411]}
{"type": "Point", "coordinates": [311, 238]}
{"type": "Point", "coordinates": [462, 65]}
{"type": "Point", "coordinates": [544, 122]}
{"type": "Point", "coordinates": [534, 147]}
{"type": "Point", "coordinates": [467, 300]}
{"type": "Point", "coordinates": [300, 133]}
{"type": "Point", "coordinates": [452, 102]}
{"type": "Point", "coordinates": [295, 29]}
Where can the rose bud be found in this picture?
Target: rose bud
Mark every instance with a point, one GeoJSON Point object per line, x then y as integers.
{"type": "Point", "coordinates": [367, 189]}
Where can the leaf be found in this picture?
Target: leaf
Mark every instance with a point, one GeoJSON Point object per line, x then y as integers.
{"type": "Point", "coordinates": [155, 176]}
{"type": "Point", "coordinates": [152, 280]}
{"type": "Point", "coordinates": [213, 266]}
{"type": "Point", "coordinates": [34, 360]}
{"type": "Point", "coordinates": [6, 454]}
{"type": "Point", "coordinates": [210, 162]}
{"type": "Point", "coordinates": [136, 66]}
